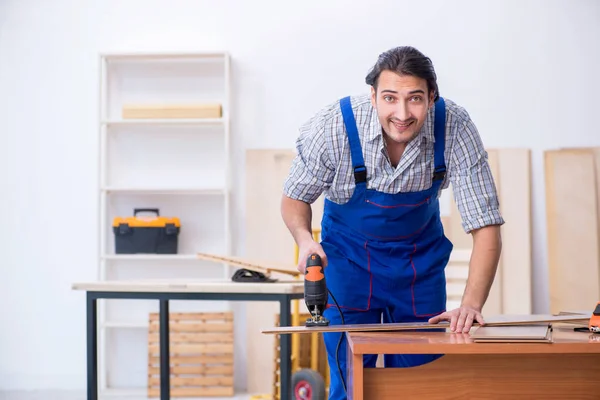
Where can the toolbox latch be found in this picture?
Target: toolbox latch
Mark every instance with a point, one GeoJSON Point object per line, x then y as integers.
{"type": "Point", "coordinates": [124, 229]}
{"type": "Point", "coordinates": [171, 229]}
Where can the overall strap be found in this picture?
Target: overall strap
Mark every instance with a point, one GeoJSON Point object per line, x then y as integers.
{"type": "Point", "coordinates": [358, 163]}
{"type": "Point", "coordinates": [439, 129]}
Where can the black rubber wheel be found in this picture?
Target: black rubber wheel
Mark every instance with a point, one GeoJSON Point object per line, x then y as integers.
{"type": "Point", "coordinates": [308, 384]}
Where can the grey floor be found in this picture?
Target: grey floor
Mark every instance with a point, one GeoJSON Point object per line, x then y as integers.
{"type": "Point", "coordinates": [80, 395]}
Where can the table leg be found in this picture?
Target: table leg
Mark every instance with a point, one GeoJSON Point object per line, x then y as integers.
{"type": "Point", "coordinates": [354, 375]}
{"type": "Point", "coordinates": [285, 354]}
{"type": "Point", "coordinates": [165, 373]}
{"type": "Point", "coordinates": [92, 348]}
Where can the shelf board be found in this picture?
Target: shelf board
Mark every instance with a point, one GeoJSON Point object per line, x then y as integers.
{"type": "Point", "coordinates": [150, 190]}
{"type": "Point", "coordinates": [141, 394]}
{"type": "Point", "coordinates": [165, 122]}
{"type": "Point", "coordinates": [124, 324]}
{"type": "Point", "coordinates": [164, 55]}
{"type": "Point", "coordinates": [151, 257]}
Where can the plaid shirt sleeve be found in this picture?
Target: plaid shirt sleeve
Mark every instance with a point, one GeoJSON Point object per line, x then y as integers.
{"type": "Point", "coordinates": [472, 181]}
{"type": "Point", "coordinates": [312, 170]}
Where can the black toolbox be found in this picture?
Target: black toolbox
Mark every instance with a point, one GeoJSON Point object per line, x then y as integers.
{"type": "Point", "coordinates": [149, 235]}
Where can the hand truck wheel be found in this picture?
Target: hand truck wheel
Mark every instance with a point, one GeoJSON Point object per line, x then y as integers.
{"type": "Point", "coordinates": [308, 384]}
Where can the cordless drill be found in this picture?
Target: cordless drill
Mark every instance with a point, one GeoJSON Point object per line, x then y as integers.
{"type": "Point", "coordinates": [315, 291]}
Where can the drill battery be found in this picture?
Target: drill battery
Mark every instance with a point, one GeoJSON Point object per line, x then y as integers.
{"type": "Point", "coordinates": [149, 235]}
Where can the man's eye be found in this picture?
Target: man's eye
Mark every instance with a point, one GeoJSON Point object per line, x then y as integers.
{"type": "Point", "coordinates": [388, 98]}
{"type": "Point", "coordinates": [415, 98]}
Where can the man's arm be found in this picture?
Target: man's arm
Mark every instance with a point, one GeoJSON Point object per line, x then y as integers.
{"type": "Point", "coordinates": [311, 173]}
{"type": "Point", "coordinates": [297, 216]}
{"type": "Point", "coordinates": [487, 245]}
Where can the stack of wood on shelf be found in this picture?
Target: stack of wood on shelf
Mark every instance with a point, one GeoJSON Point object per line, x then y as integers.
{"type": "Point", "coordinates": [267, 236]}
{"type": "Point", "coordinates": [572, 211]}
{"type": "Point", "coordinates": [511, 292]}
{"type": "Point", "coordinates": [177, 111]}
{"type": "Point", "coordinates": [201, 354]}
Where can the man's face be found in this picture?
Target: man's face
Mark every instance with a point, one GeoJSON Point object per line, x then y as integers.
{"type": "Point", "coordinates": [402, 103]}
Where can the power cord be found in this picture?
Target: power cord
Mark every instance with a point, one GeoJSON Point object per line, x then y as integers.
{"type": "Point", "coordinates": [337, 349]}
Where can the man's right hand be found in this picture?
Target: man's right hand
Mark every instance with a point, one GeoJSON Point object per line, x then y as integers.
{"type": "Point", "coordinates": [307, 248]}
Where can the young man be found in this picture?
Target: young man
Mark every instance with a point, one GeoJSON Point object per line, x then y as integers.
{"type": "Point", "coordinates": [382, 160]}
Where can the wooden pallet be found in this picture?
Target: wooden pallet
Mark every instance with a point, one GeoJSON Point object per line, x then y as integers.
{"type": "Point", "coordinates": [201, 354]}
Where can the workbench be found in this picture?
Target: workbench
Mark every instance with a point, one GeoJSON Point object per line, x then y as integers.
{"type": "Point", "coordinates": [566, 369]}
{"type": "Point", "coordinates": [165, 290]}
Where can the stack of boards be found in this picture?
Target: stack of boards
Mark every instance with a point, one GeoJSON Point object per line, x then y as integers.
{"type": "Point", "coordinates": [513, 334]}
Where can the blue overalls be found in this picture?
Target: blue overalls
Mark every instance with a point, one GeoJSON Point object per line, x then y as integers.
{"type": "Point", "coordinates": [386, 255]}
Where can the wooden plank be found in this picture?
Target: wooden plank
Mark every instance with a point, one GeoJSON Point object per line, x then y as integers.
{"type": "Point", "coordinates": [572, 226]}
{"type": "Point", "coordinates": [252, 265]}
{"type": "Point", "coordinates": [266, 237]}
{"type": "Point", "coordinates": [498, 320]}
{"type": "Point", "coordinates": [195, 392]}
{"type": "Point", "coordinates": [153, 111]}
{"type": "Point", "coordinates": [495, 302]}
{"type": "Point", "coordinates": [515, 204]}
{"type": "Point", "coordinates": [181, 328]}
{"type": "Point", "coordinates": [193, 316]}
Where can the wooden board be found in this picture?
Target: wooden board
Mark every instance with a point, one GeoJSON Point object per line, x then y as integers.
{"type": "Point", "coordinates": [511, 292]}
{"type": "Point", "coordinates": [266, 238]}
{"type": "Point", "coordinates": [252, 265]}
{"type": "Point", "coordinates": [572, 226]}
{"type": "Point", "coordinates": [201, 354]}
{"type": "Point", "coordinates": [499, 320]}
{"type": "Point", "coordinates": [495, 301]}
{"type": "Point", "coordinates": [167, 111]}
{"type": "Point", "coordinates": [513, 334]}
{"type": "Point", "coordinates": [514, 179]}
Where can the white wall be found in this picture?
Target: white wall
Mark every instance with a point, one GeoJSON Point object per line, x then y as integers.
{"type": "Point", "coordinates": [525, 70]}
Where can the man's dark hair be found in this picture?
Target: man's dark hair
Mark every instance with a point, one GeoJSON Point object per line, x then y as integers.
{"type": "Point", "coordinates": [405, 60]}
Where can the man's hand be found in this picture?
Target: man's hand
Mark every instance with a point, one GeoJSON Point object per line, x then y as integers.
{"type": "Point", "coordinates": [461, 319]}
{"type": "Point", "coordinates": [305, 249]}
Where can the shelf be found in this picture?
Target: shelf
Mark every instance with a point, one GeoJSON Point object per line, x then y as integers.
{"type": "Point", "coordinates": [166, 122]}
{"type": "Point", "coordinates": [180, 166]}
{"type": "Point", "coordinates": [148, 190]}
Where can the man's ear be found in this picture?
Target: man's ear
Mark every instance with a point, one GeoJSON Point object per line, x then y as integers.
{"type": "Point", "coordinates": [431, 97]}
{"type": "Point", "coordinates": [373, 96]}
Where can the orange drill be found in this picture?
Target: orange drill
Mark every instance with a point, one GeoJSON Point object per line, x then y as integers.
{"type": "Point", "coordinates": [315, 291]}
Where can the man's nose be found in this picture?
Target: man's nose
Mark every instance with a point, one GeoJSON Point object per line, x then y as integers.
{"type": "Point", "coordinates": [402, 111]}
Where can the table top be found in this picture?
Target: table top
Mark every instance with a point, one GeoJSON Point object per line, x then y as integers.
{"type": "Point", "coordinates": [565, 340]}
{"type": "Point", "coordinates": [192, 286]}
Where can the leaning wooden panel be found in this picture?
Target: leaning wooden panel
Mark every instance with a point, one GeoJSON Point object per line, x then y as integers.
{"type": "Point", "coordinates": [266, 238]}
{"type": "Point", "coordinates": [572, 229]}
{"type": "Point", "coordinates": [201, 354]}
{"type": "Point", "coordinates": [495, 301]}
{"type": "Point", "coordinates": [514, 167]}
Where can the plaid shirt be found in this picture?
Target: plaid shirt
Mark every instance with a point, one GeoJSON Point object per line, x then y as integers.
{"type": "Point", "coordinates": [323, 163]}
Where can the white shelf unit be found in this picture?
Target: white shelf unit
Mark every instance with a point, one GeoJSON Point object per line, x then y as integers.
{"type": "Point", "coordinates": [181, 167]}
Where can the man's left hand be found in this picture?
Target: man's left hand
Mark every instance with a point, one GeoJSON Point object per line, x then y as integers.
{"type": "Point", "coordinates": [461, 319]}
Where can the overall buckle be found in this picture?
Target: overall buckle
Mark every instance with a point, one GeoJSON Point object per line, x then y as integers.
{"type": "Point", "coordinates": [360, 174]}
{"type": "Point", "coordinates": [439, 174]}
